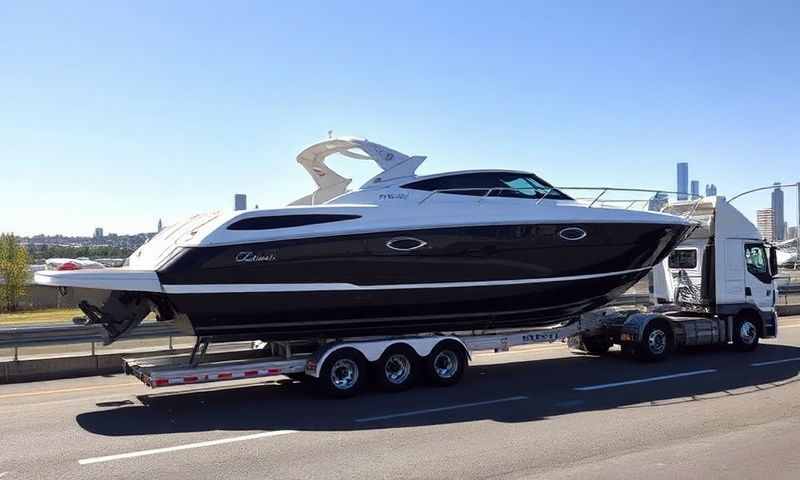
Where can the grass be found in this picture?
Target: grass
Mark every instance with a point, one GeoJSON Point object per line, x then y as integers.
{"type": "Point", "coordinates": [30, 317]}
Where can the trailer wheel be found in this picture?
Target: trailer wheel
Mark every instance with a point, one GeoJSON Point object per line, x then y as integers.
{"type": "Point", "coordinates": [397, 368]}
{"type": "Point", "coordinates": [656, 343]}
{"type": "Point", "coordinates": [446, 363]}
{"type": "Point", "coordinates": [343, 374]}
{"type": "Point", "coordinates": [745, 333]}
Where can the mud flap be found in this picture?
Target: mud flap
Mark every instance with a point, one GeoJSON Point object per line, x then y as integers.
{"type": "Point", "coordinates": [119, 313]}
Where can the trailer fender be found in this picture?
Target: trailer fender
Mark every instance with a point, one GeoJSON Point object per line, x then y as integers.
{"type": "Point", "coordinates": [373, 349]}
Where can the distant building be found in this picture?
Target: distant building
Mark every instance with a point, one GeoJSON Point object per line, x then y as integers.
{"type": "Point", "coordinates": [792, 233]}
{"type": "Point", "coordinates": [159, 225]}
{"type": "Point", "coordinates": [764, 219]}
{"type": "Point", "coordinates": [711, 190]}
{"type": "Point", "coordinates": [240, 201]}
{"type": "Point", "coordinates": [658, 202]}
{"type": "Point", "coordinates": [779, 225]}
{"type": "Point", "coordinates": [98, 233]}
{"type": "Point", "coordinates": [683, 180]}
{"type": "Point", "coordinates": [695, 189]}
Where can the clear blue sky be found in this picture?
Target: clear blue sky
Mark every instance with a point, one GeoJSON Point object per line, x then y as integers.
{"type": "Point", "coordinates": [114, 115]}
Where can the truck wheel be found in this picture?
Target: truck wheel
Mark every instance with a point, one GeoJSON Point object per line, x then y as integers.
{"type": "Point", "coordinates": [446, 363]}
{"type": "Point", "coordinates": [597, 345]}
{"type": "Point", "coordinates": [656, 343]}
{"type": "Point", "coordinates": [745, 333]}
{"type": "Point", "coordinates": [343, 374]}
{"type": "Point", "coordinates": [397, 368]}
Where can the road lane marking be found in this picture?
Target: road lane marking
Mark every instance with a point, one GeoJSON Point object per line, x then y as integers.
{"type": "Point", "coordinates": [441, 409]}
{"type": "Point", "coordinates": [210, 443]}
{"type": "Point", "coordinates": [644, 380]}
{"type": "Point", "coordinates": [66, 390]}
{"type": "Point", "coordinates": [774, 362]}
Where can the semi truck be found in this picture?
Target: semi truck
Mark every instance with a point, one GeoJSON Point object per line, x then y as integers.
{"type": "Point", "coordinates": [716, 287]}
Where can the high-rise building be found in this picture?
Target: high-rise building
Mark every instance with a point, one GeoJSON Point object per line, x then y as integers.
{"type": "Point", "coordinates": [98, 233]}
{"type": "Point", "coordinates": [683, 180]}
{"type": "Point", "coordinates": [711, 190]}
{"type": "Point", "coordinates": [778, 223]}
{"type": "Point", "coordinates": [695, 189]}
{"type": "Point", "coordinates": [240, 201]}
{"type": "Point", "coordinates": [764, 219]}
{"type": "Point", "coordinates": [160, 226]}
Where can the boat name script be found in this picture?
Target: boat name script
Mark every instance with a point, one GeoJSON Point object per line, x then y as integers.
{"type": "Point", "coordinates": [392, 196]}
{"type": "Point", "coordinates": [252, 257]}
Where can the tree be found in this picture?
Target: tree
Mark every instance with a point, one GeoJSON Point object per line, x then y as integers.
{"type": "Point", "coordinates": [13, 271]}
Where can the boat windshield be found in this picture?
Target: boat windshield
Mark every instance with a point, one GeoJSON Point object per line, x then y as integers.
{"type": "Point", "coordinates": [493, 184]}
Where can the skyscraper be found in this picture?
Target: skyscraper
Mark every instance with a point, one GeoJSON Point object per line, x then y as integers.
{"type": "Point", "coordinates": [240, 201]}
{"type": "Point", "coordinates": [683, 180]}
{"type": "Point", "coordinates": [695, 189]}
{"type": "Point", "coordinates": [778, 223]}
{"type": "Point", "coordinates": [764, 220]}
{"type": "Point", "coordinates": [98, 233]}
{"type": "Point", "coordinates": [160, 226]}
{"type": "Point", "coordinates": [711, 190]}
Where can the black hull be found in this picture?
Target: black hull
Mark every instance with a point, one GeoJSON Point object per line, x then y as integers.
{"type": "Point", "coordinates": [277, 316]}
{"type": "Point", "coordinates": [463, 279]}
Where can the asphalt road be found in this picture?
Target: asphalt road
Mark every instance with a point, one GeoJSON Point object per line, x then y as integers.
{"type": "Point", "coordinates": [541, 412]}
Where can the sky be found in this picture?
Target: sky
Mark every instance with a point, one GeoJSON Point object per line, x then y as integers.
{"type": "Point", "coordinates": [116, 114]}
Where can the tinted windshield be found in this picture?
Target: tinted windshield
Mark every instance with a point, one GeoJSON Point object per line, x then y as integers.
{"type": "Point", "coordinates": [495, 184]}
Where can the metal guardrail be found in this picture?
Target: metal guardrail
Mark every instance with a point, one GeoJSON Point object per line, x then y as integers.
{"type": "Point", "coordinates": [37, 336]}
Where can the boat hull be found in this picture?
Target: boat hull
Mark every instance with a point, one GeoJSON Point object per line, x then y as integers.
{"type": "Point", "coordinates": [485, 277]}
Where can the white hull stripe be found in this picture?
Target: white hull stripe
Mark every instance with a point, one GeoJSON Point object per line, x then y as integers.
{"type": "Point", "coordinates": [316, 287]}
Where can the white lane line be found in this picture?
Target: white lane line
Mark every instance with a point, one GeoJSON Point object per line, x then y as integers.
{"type": "Point", "coordinates": [3, 474]}
{"type": "Point", "coordinates": [775, 362]}
{"type": "Point", "coordinates": [211, 443]}
{"type": "Point", "coordinates": [644, 380]}
{"type": "Point", "coordinates": [441, 409]}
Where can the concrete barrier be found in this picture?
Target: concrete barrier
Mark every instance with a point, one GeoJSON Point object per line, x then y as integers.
{"type": "Point", "coordinates": [70, 366]}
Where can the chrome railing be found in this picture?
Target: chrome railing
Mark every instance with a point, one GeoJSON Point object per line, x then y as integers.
{"type": "Point", "coordinates": [544, 194]}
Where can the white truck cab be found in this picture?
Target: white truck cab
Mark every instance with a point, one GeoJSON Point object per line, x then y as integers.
{"type": "Point", "coordinates": [724, 268]}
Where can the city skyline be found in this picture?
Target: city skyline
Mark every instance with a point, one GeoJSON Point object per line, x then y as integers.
{"type": "Point", "coordinates": [613, 97]}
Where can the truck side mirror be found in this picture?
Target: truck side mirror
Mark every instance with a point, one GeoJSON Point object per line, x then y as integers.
{"type": "Point", "coordinates": [773, 261]}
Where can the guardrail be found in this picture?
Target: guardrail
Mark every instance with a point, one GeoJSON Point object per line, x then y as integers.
{"type": "Point", "coordinates": [16, 337]}
{"type": "Point", "coordinates": [37, 336]}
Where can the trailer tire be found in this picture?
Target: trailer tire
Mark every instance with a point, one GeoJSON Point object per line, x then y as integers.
{"type": "Point", "coordinates": [745, 332]}
{"type": "Point", "coordinates": [397, 369]}
{"type": "Point", "coordinates": [446, 363]}
{"type": "Point", "coordinates": [657, 341]}
{"type": "Point", "coordinates": [343, 374]}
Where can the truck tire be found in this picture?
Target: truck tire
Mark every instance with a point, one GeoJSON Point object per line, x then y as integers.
{"type": "Point", "coordinates": [596, 345]}
{"type": "Point", "coordinates": [745, 333]}
{"type": "Point", "coordinates": [656, 343]}
{"type": "Point", "coordinates": [397, 369]}
{"type": "Point", "coordinates": [446, 363]}
{"type": "Point", "coordinates": [343, 374]}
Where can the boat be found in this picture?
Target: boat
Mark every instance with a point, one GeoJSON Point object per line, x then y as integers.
{"type": "Point", "coordinates": [402, 254]}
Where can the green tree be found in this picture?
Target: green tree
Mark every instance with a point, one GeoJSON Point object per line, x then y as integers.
{"type": "Point", "coordinates": [13, 271]}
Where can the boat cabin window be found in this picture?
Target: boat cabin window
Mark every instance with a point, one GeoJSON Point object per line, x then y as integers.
{"type": "Point", "coordinates": [495, 184]}
{"type": "Point", "coordinates": [286, 221]}
{"type": "Point", "coordinates": [685, 258]}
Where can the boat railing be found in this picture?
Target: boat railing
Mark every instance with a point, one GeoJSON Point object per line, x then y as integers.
{"type": "Point", "coordinates": [656, 198]}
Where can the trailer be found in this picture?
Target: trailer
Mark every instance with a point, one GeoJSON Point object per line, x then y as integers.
{"type": "Point", "coordinates": [717, 287]}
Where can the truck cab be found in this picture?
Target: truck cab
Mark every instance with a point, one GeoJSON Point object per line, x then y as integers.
{"type": "Point", "coordinates": [723, 268]}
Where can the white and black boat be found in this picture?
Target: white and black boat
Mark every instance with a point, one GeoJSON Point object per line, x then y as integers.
{"type": "Point", "coordinates": [403, 254]}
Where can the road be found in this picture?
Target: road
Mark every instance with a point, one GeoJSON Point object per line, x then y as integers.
{"type": "Point", "coordinates": [539, 412]}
